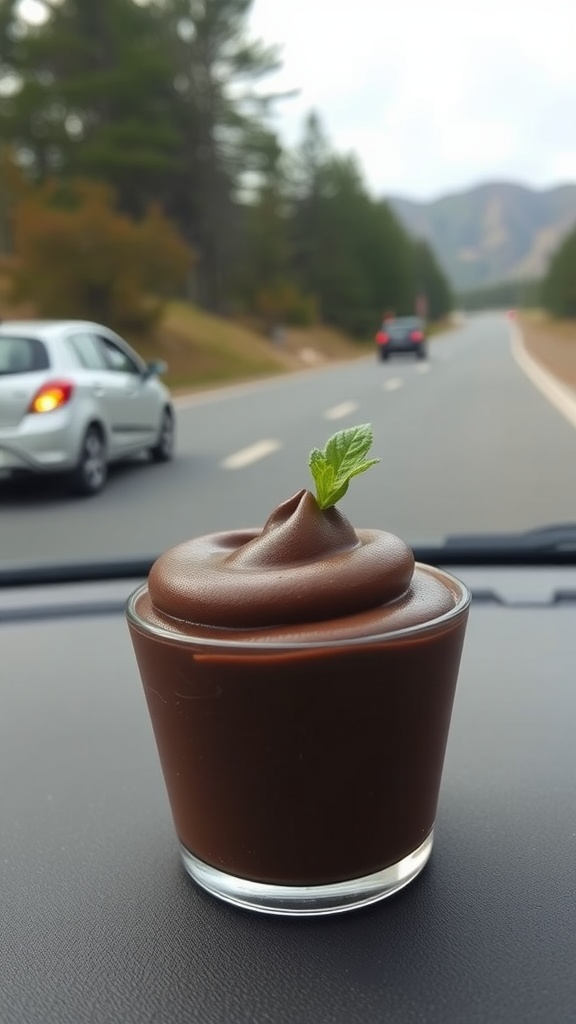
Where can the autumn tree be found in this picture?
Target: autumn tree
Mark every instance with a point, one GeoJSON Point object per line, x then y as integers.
{"type": "Point", "coordinates": [78, 257]}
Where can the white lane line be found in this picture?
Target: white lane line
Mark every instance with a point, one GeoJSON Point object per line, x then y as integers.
{"type": "Point", "coordinates": [557, 394]}
{"type": "Point", "coordinates": [393, 383]}
{"type": "Point", "coordinates": [338, 411]}
{"type": "Point", "coordinates": [246, 456]}
{"type": "Point", "coordinates": [423, 368]}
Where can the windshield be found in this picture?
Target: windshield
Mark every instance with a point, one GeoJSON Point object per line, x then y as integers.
{"type": "Point", "coordinates": [227, 241]}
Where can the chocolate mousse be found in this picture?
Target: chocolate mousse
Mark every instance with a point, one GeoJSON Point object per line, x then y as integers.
{"type": "Point", "coordinates": [306, 575]}
{"type": "Point", "coordinates": [300, 681]}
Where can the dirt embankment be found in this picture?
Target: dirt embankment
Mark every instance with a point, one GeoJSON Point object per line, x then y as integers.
{"type": "Point", "coordinates": [553, 344]}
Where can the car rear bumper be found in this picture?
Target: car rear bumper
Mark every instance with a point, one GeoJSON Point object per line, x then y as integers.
{"type": "Point", "coordinates": [402, 346]}
{"type": "Point", "coordinates": [39, 446]}
{"type": "Point", "coordinates": [15, 460]}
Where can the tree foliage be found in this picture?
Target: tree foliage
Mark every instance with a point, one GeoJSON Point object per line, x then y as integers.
{"type": "Point", "coordinates": [13, 188]}
{"type": "Point", "coordinates": [430, 282]}
{"type": "Point", "coordinates": [78, 257]}
{"type": "Point", "coordinates": [163, 102]}
{"type": "Point", "coordinates": [559, 285]}
{"type": "Point", "coordinates": [348, 249]}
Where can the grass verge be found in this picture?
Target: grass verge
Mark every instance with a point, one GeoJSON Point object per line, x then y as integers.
{"type": "Point", "coordinates": [204, 350]}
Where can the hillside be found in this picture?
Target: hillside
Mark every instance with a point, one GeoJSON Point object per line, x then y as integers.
{"type": "Point", "coordinates": [493, 232]}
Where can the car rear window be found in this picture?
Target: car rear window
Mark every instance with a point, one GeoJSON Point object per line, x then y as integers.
{"type": "Point", "coordinates": [398, 328]}
{"type": "Point", "coordinates": [22, 355]}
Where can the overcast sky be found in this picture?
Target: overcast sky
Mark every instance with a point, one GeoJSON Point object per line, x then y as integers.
{"type": "Point", "coordinates": [433, 96]}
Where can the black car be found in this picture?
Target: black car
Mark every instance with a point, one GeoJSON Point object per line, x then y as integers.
{"type": "Point", "coordinates": [403, 334]}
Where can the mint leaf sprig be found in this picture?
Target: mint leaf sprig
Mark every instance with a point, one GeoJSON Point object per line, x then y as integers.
{"type": "Point", "coordinates": [343, 457]}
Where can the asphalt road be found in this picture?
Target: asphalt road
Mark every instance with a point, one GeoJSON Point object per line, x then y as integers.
{"type": "Point", "coordinates": [466, 442]}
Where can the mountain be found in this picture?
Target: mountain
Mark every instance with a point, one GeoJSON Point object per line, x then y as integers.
{"type": "Point", "coordinates": [494, 232]}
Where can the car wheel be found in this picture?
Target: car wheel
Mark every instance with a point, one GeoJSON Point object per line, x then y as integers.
{"type": "Point", "coordinates": [163, 450]}
{"type": "Point", "coordinates": [91, 472]}
{"type": "Point", "coordinates": [421, 353]}
{"type": "Point", "coordinates": [384, 356]}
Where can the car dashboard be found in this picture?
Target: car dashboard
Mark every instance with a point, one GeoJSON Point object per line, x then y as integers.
{"type": "Point", "coordinates": [100, 924]}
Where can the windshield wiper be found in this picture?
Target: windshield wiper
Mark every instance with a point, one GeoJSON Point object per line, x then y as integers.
{"type": "Point", "coordinates": [76, 572]}
{"type": "Point", "coordinates": [549, 545]}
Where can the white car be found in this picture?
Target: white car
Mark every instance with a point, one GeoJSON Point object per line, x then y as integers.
{"type": "Point", "coordinates": [75, 397]}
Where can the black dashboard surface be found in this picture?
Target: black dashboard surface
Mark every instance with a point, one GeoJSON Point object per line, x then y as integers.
{"type": "Point", "coordinates": [100, 925]}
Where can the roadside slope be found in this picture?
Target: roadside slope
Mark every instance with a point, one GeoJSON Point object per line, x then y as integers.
{"type": "Point", "coordinates": [202, 350]}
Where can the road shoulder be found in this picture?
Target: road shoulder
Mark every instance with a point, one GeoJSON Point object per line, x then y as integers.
{"type": "Point", "coordinates": [552, 344]}
{"type": "Point", "coordinates": [555, 390]}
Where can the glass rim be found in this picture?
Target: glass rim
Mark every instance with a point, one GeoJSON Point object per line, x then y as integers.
{"type": "Point", "coordinates": [225, 642]}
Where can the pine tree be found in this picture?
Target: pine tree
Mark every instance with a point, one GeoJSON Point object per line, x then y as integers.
{"type": "Point", "coordinates": [93, 96]}
{"type": "Point", "coordinates": [221, 121]}
{"type": "Point", "coordinates": [559, 285]}
{"type": "Point", "coordinates": [350, 252]}
{"type": "Point", "coordinates": [430, 282]}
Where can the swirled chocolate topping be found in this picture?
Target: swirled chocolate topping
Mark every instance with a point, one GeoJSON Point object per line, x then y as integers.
{"type": "Point", "coordinates": [305, 565]}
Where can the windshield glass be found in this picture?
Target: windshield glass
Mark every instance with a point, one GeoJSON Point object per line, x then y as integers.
{"type": "Point", "coordinates": [228, 241]}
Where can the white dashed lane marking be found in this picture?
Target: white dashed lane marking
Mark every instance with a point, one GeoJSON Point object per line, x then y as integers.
{"type": "Point", "coordinates": [338, 411]}
{"type": "Point", "coordinates": [393, 383]}
{"type": "Point", "coordinates": [254, 452]}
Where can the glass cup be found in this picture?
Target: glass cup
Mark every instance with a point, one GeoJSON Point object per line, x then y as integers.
{"type": "Point", "coordinates": [303, 777]}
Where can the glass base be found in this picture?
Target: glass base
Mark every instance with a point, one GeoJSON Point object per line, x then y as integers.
{"type": "Point", "coordinates": [308, 900]}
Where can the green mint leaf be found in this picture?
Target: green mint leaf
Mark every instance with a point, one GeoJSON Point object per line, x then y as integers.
{"type": "Point", "coordinates": [343, 458]}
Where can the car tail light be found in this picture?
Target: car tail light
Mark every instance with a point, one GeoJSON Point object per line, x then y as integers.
{"type": "Point", "coordinates": [382, 338]}
{"type": "Point", "coordinates": [417, 336]}
{"type": "Point", "coordinates": [52, 395]}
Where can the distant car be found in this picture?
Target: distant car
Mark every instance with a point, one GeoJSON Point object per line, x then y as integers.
{"type": "Point", "coordinates": [75, 397]}
{"type": "Point", "coordinates": [402, 334]}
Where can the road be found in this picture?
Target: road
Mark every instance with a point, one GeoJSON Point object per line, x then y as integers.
{"type": "Point", "coordinates": [466, 442]}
